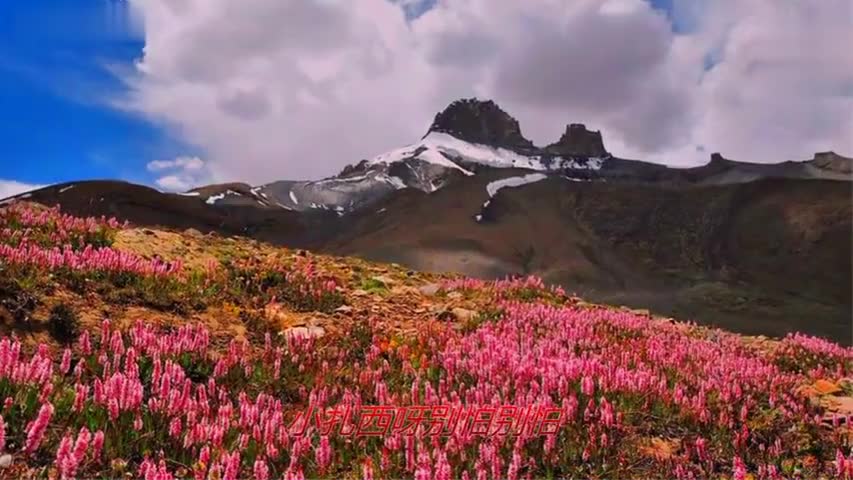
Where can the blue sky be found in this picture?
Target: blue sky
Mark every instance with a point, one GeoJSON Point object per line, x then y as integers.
{"type": "Point", "coordinates": [57, 80]}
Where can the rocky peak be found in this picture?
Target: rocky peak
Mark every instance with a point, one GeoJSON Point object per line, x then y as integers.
{"type": "Point", "coordinates": [577, 141]}
{"type": "Point", "coordinates": [358, 168]}
{"type": "Point", "coordinates": [483, 122]}
{"type": "Point", "coordinates": [833, 162]}
{"type": "Point", "coordinates": [717, 157]}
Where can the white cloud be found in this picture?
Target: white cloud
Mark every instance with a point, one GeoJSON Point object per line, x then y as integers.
{"type": "Point", "coordinates": [184, 163]}
{"type": "Point", "coordinates": [9, 188]}
{"type": "Point", "coordinates": [182, 173]}
{"type": "Point", "coordinates": [274, 89]}
{"type": "Point", "coordinates": [282, 88]}
{"type": "Point", "coordinates": [174, 183]}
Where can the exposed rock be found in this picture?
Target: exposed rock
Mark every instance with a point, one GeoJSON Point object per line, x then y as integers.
{"type": "Point", "coordinates": [660, 449]}
{"type": "Point", "coordinates": [838, 405]}
{"type": "Point", "coordinates": [281, 317]}
{"type": "Point", "coordinates": [358, 168]}
{"type": "Point", "coordinates": [429, 289]}
{"type": "Point", "coordinates": [482, 122]}
{"type": "Point", "coordinates": [463, 314]}
{"type": "Point", "coordinates": [305, 332]}
{"type": "Point", "coordinates": [833, 162]}
{"type": "Point", "coordinates": [585, 304]}
{"type": "Point", "coordinates": [577, 141]}
{"type": "Point", "coordinates": [825, 387]}
{"type": "Point", "coordinates": [344, 309]}
{"type": "Point", "coordinates": [5, 460]}
{"type": "Point", "coordinates": [404, 290]}
{"type": "Point", "coordinates": [384, 280]}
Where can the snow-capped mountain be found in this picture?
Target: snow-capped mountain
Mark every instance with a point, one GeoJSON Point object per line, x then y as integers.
{"type": "Point", "coordinates": [472, 136]}
{"type": "Point", "coordinates": [468, 137]}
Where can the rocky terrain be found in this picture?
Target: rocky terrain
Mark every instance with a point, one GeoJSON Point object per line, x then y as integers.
{"type": "Point", "coordinates": [136, 352]}
{"type": "Point", "coordinates": [757, 248]}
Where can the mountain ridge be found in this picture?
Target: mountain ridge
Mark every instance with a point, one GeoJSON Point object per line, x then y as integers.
{"type": "Point", "coordinates": [754, 247]}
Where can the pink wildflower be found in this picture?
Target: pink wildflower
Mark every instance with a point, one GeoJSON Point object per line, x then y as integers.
{"type": "Point", "coordinates": [36, 428]}
{"type": "Point", "coordinates": [261, 470]}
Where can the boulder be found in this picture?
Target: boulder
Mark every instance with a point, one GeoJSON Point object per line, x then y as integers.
{"type": "Point", "coordinates": [429, 289]}
{"type": "Point", "coordinates": [463, 314]}
{"type": "Point", "coordinates": [305, 332]}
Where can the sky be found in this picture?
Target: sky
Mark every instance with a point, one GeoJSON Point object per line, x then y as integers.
{"type": "Point", "coordinates": [179, 93]}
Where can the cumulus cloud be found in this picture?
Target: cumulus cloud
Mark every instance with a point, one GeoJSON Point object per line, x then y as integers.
{"type": "Point", "coordinates": [179, 174]}
{"type": "Point", "coordinates": [782, 84]}
{"type": "Point", "coordinates": [10, 188]}
{"type": "Point", "coordinates": [273, 89]}
{"type": "Point", "coordinates": [175, 183]}
{"type": "Point", "coordinates": [184, 163]}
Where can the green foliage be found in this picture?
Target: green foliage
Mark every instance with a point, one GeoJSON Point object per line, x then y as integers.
{"type": "Point", "coordinates": [373, 285]}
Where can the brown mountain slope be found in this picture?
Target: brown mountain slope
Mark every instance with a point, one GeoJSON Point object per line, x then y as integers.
{"type": "Point", "coordinates": [765, 257]}
{"type": "Point", "coordinates": [769, 257]}
{"type": "Point", "coordinates": [142, 205]}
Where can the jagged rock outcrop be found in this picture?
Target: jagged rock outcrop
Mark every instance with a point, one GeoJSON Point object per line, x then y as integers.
{"type": "Point", "coordinates": [577, 141]}
{"type": "Point", "coordinates": [833, 162]}
{"type": "Point", "coordinates": [483, 122]}
{"type": "Point", "coordinates": [359, 167]}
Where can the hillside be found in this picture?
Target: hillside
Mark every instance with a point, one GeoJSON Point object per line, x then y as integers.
{"type": "Point", "coordinates": [173, 354]}
{"type": "Point", "coordinates": [754, 248]}
{"type": "Point", "coordinates": [763, 257]}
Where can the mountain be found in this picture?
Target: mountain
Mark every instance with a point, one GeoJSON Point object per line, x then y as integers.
{"type": "Point", "coordinates": [757, 248]}
{"type": "Point", "coordinates": [472, 136]}
{"type": "Point", "coordinates": [765, 257]}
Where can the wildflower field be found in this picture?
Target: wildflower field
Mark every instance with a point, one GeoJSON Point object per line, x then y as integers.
{"type": "Point", "coordinates": [637, 396]}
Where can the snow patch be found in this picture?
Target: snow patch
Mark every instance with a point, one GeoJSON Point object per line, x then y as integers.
{"type": "Point", "coordinates": [428, 150]}
{"type": "Point", "coordinates": [510, 182]}
{"type": "Point", "coordinates": [592, 163]}
{"type": "Point", "coordinates": [493, 187]}
{"type": "Point", "coordinates": [65, 189]}
{"type": "Point", "coordinates": [354, 178]}
{"type": "Point", "coordinates": [256, 191]}
{"type": "Point", "coordinates": [436, 147]}
{"type": "Point", "coordinates": [211, 200]}
{"type": "Point", "coordinates": [293, 198]}
{"type": "Point", "coordinates": [188, 194]}
{"type": "Point", "coordinates": [396, 182]}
